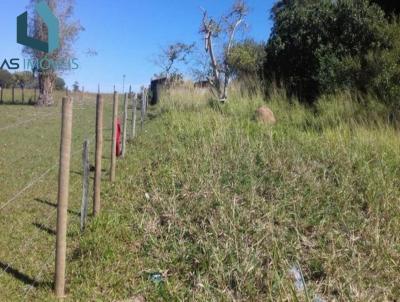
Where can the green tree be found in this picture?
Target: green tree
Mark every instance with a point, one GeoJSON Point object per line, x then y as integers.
{"type": "Point", "coordinates": [382, 68]}
{"type": "Point", "coordinates": [246, 59]}
{"type": "Point", "coordinates": [313, 41]}
{"type": "Point", "coordinates": [23, 79]}
{"type": "Point", "coordinates": [69, 31]}
{"type": "Point", "coordinates": [60, 84]}
{"type": "Point", "coordinates": [5, 78]}
{"type": "Point", "coordinates": [75, 86]}
{"type": "Point", "coordinates": [245, 62]}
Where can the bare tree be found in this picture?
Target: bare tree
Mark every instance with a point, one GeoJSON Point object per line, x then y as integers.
{"type": "Point", "coordinates": [69, 31]}
{"type": "Point", "coordinates": [225, 28]}
{"type": "Point", "coordinates": [171, 55]}
{"type": "Point", "coordinates": [201, 67]}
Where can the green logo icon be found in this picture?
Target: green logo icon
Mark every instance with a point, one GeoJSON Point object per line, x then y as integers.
{"type": "Point", "coordinates": [53, 28]}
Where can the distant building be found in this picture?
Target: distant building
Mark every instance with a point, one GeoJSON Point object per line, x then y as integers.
{"type": "Point", "coordinates": [155, 86]}
{"type": "Point", "coordinates": [202, 84]}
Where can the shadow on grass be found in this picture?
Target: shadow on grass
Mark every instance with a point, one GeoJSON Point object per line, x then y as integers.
{"type": "Point", "coordinates": [44, 228]}
{"type": "Point", "coordinates": [18, 103]}
{"type": "Point", "coordinates": [23, 277]}
{"type": "Point", "coordinates": [54, 205]}
{"type": "Point", "coordinates": [91, 171]}
{"type": "Point", "coordinates": [152, 116]}
{"type": "Point", "coordinates": [76, 173]}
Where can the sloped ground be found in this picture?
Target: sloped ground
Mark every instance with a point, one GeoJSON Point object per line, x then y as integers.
{"type": "Point", "coordinates": [223, 207]}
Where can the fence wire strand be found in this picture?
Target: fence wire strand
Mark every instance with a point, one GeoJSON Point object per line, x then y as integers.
{"type": "Point", "coordinates": [26, 122]}
{"type": "Point", "coordinates": [30, 243]}
{"type": "Point", "coordinates": [35, 181]}
{"type": "Point", "coordinates": [32, 239]}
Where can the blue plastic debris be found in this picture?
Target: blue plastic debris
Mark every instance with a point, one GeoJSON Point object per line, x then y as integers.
{"type": "Point", "coordinates": [156, 277]}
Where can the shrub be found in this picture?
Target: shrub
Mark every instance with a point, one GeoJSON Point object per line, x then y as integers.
{"type": "Point", "coordinates": [5, 78]}
{"type": "Point", "coordinates": [320, 46]}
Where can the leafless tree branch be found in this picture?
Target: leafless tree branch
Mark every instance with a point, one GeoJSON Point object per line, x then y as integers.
{"type": "Point", "coordinates": [211, 29]}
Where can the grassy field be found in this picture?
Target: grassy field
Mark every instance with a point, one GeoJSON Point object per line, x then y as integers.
{"type": "Point", "coordinates": [29, 151]}
{"type": "Point", "coordinates": [220, 206]}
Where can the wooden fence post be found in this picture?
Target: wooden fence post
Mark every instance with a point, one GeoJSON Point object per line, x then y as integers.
{"type": "Point", "coordinates": [134, 109]}
{"type": "Point", "coordinates": [13, 94]}
{"type": "Point", "coordinates": [23, 94]}
{"type": "Point", "coordinates": [142, 110]}
{"type": "Point", "coordinates": [99, 154]}
{"type": "Point", "coordinates": [82, 93]}
{"type": "Point", "coordinates": [1, 96]}
{"type": "Point", "coordinates": [63, 192]}
{"type": "Point", "coordinates": [125, 125]}
{"type": "Point", "coordinates": [114, 138]}
{"type": "Point", "coordinates": [85, 183]}
{"type": "Point", "coordinates": [146, 100]}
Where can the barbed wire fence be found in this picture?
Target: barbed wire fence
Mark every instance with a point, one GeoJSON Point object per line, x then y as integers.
{"type": "Point", "coordinates": [33, 182]}
{"type": "Point", "coordinates": [60, 210]}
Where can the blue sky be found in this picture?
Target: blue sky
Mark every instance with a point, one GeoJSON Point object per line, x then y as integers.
{"type": "Point", "coordinates": [128, 35]}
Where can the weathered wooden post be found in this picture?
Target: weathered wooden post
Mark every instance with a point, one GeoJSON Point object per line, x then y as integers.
{"type": "Point", "coordinates": [1, 94]}
{"type": "Point", "coordinates": [142, 110]}
{"type": "Point", "coordinates": [63, 192]}
{"type": "Point", "coordinates": [85, 183]}
{"type": "Point", "coordinates": [114, 138]}
{"type": "Point", "coordinates": [125, 129]}
{"type": "Point", "coordinates": [22, 94]}
{"type": "Point", "coordinates": [134, 109]}
{"type": "Point", "coordinates": [99, 154]}
{"type": "Point", "coordinates": [13, 94]}
{"type": "Point", "coordinates": [82, 93]}
{"type": "Point", "coordinates": [146, 100]}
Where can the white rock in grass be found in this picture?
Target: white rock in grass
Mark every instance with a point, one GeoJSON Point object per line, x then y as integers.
{"type": "Point", "coordinates": [297, 278]}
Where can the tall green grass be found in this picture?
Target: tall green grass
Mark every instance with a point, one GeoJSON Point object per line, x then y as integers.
{"type": "Point", "coordinates": [224, 206]}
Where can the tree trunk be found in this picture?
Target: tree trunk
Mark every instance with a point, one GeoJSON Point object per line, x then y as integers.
{"type": "Point", "coordinates": [46, 84]}
{"type": "Point", "coordinates": [216, 81]}
{"type": "Point", "coordinates": [224, 95]}
{"type": "Point", "coordinates": [224, 92]}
